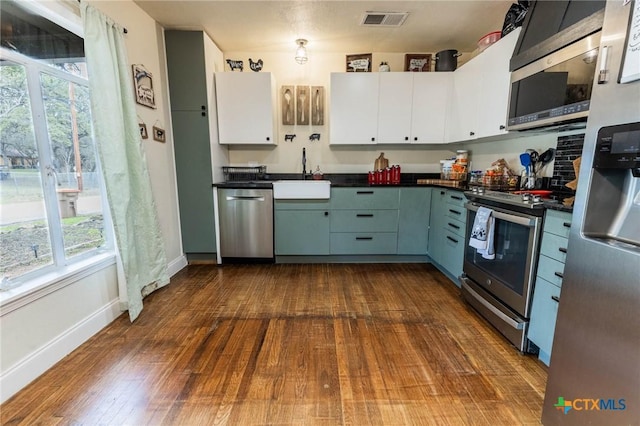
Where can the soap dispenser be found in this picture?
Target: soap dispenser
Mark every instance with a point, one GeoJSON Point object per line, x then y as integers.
{"type": "Point", "coordinates": [317, 174]}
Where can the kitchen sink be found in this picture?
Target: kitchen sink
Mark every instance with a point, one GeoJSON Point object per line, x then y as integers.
{"type": "Point", "coordinates": [301, 189]}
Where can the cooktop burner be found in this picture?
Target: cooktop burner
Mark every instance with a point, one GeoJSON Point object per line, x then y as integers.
{"type": "Point", "coordinates": [525, 200]}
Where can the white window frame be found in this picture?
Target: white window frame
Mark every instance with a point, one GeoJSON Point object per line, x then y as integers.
{"type": "Point", "coordinates": [62, 271]}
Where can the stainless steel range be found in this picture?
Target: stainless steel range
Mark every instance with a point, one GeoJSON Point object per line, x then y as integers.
{"type": "Point", "coordinates": [500, 289]}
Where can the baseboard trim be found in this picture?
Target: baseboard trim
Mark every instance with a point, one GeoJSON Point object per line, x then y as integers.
{"type": "Point", "coordinates": [177, 264]}
{"type": "Point", "coordinates": [43, 358]}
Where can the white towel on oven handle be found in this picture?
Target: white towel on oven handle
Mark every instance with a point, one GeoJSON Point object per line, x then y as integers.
{"type": "Point", "coordinates": [482, 238]}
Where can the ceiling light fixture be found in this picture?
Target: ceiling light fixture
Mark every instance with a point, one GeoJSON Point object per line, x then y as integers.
{"type": "Point", "coordinates": [301, 52]}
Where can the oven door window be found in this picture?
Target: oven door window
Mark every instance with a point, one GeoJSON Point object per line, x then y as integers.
{"type": "Point", "coordinates": [513, 245]}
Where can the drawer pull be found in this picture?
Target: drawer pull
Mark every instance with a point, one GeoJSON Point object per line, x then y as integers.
{"type": "Point", "coordinates": [567, 224]}
{"type": "Point", "coordinates": [326, 213]}
{"type": "Point", "coordinates": [442, 192]}
{"type": "Point", "coordinates": [455, 211]}
{"type": "Point", "coordinates": [555, 299]}
{"type": "Point", "coordinates": [453, 225]}
{"type": "Point", "coordinates": [364, 238]}
{"type": "Point", "coordinates": [455, 197]}
{"type": "Point", "coordinates": [452, 239]}
{"type": "Point", "coordinates": [364, 215]}
{"type": "Point", "coordinates": [562, 249]}
{"type": "Point", "coordinates": [558, 274]}
{"type": "Point", "coordinates": [364, 192]}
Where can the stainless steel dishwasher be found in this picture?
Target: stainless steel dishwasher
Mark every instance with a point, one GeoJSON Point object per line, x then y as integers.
{"type": "Point", "coordinates": [246, 224]}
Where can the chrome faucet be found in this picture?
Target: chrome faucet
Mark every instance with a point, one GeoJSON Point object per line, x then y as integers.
{"type": "Point", "coordinates": [304, 163]}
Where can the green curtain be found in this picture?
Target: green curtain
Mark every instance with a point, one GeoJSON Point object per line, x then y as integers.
{"type": "Point", "coordinates": [138, 237]}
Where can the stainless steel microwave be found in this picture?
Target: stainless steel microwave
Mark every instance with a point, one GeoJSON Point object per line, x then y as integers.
{"type": "Point", "coordinates": [555, 89]}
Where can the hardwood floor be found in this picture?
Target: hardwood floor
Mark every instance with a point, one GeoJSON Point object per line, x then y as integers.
{"type": "Point", "coordinates": [340, 344]}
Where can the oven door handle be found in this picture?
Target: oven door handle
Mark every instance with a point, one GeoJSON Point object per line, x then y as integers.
{"type": "Point", "coordinates": [504, 215]}
{"type": "Point", "coordinates": [497, 312]}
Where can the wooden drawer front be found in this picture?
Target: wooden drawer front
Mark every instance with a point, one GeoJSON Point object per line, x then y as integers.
{"type": "Point", "coordinates": [455, 212]}
{"type": "Point", "coordinates": [302, 205]}
{"type": "Point", "coordinates": [364, 221]}
{"type": "Point", "coordinates": [455, 226]}
{"type": "Point", "coordinates": [364, 243]}
{"type": "Point", "coordinates": [456, 198]}
{"type": "Point", "coordinates": [557, 222]}
{"type": "Point", "coordinates": [551, 270]}
{"type": "Point", "coordinates": [365, 198]}
{"type": "Point", "coordinates": [543, 314]}
{"type": "Point", "coordinates": [554, 246]}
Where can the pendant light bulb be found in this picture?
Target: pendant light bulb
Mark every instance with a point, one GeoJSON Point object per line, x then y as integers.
{"type": "Point", "coordinates": [301, 52]}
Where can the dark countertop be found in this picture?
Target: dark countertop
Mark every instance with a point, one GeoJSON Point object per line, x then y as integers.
{"type": "Point", "coordinates": [340, 180]}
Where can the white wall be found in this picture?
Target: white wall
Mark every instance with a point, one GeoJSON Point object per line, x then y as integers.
{"type": "Point", "coordinates": [145, 45]}
{"type": "Point", "coordinates": [285, 157]}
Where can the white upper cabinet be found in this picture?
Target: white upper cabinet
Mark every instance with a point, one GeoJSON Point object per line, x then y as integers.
{"type": "Point", "coordinates": [394, 109]}
{"type": "Point", "coordinates": [245, 107]}
{"type": "Point", "coordinates": [354, 108]}
{"type": "Point", "coordinates": [389, 108]}
{"type": "Point", "coordinates": [496, 82]}
{"type": "Point", "coordinates": [463, 108]}
{"type": "Point", "coordinates": [431, 95]}
{"type": "Point", "coordinates": [481, 93]}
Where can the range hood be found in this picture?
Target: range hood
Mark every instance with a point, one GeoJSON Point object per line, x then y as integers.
{"type": "Point", "coordinates": [552, 25]}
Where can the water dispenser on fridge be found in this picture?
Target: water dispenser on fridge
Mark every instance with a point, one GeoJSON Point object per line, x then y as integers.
{"type": "Point", "coordinates": [613, 207]}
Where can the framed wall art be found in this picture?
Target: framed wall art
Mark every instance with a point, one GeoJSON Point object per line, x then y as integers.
{"type": "Point", "coordinates": [317, 105]}
{"type": "Point", "coordinates": [143, 131]}
{"type": "Point", "coordinates": [417, 62]}
{"type": "Point", "coordinates": [159, 134]}
{"type": "Point", "coordinates": [303, 101]}
{"type": "Point", "coordinates": [359, 63]}
{"type": "Point", "coordinates": [288, 103]}
{"type": "Point", "coordinates": [143, 85]}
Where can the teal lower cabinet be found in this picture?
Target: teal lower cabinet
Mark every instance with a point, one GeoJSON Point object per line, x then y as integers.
{"type": "Point", "coordinates": [413, 221]}
{"type": "Point", "coordinates": [345, 243]}
{"type": "Point", "coordinates": [546, 295]}
{"type": "Point", "coordinates": [447, 231]}
{"type": "Point", "coordinates": [302, 228]}
{"type": "Point", "coordinates": [543, 317]}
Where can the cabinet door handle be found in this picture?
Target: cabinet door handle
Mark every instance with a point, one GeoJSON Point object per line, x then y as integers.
{"type": "Point", "coordinates": [452, 239]}
{"type": "Point", "coordinates": [555, 299]}
{"type": "Point", "coordinates": [326, 213]}
{"type": "Point", "coordinates": [364, 238]}
{"type": "Point", "coordinates": [562, 249]}
{"type": "Point", "coordinates": [567, 224]}
{"type": "Point", "coordinates": [202, 107]}
{"type": "Point", "coordinates": [364, 192]}
{"type": "Point", "coordinates": [364, 215]}
{"type": "Point", "coordinates": [204, 114]}
{"type": "Point", "coordinates": [415, 139]}
{"type": "Point", "coordinates": [268, 138]}
{"type": "Point", "coordinates": [558, 274]}
{"type": "Point", "coordinates": [455, 211]}
{"type": "Point", "coordinates": [442, 192]}
{"type": "Point", "coordinates": [471, 133]}
{"type": "Point", "coordinates": [406, 138]}
{"type": "Point", "coordinates": [373, 139]}
{"type": "Point", "coordinates": [455, 197]}
{"type": "Point", "coordinates": [502, 127]}
{"type": "Point", "coordinates": [454, 225]}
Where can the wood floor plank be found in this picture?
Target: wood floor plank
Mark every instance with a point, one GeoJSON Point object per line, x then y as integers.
{"type": "Point", "coordinates": [339, 344]}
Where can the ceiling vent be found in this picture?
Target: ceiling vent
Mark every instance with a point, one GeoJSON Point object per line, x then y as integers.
{"type": "Point", "coordinates": [384, 19]}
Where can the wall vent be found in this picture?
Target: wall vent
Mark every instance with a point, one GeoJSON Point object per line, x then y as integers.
{"type": "Point", "coordinates": [384, 19]}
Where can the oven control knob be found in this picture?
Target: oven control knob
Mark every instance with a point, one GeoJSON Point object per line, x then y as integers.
{"type": "Point", "coordinates": [537, 199]}
{"type": "Point", "coordinates": [488, 281]}
{"type": "Point", "coordinates": [480, 190]}
{"type": "Point", "coordinates": [526, 197]}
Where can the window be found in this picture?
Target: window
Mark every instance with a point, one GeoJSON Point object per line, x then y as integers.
{"type": "Point", "coordinates": [51, 197]}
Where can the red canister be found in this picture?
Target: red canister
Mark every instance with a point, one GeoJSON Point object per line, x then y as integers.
{"type": "Point", "coordinates": [371, 178]}
{"type": "Point", "coordinates": [387, 176]}
{"type": "Point", "coordinates": [379, 177]}
{"type": "Point", "coordinates": [395, 175]}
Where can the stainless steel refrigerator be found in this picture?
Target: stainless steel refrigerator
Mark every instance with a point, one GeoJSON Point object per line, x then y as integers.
{"type": "Point", "coordinates": [594, 374]}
